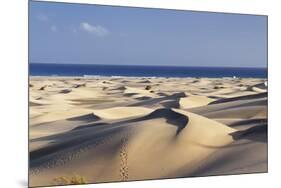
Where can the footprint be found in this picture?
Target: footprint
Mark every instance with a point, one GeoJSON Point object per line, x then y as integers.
{"type": "Point", "coordinates": [123, 154]}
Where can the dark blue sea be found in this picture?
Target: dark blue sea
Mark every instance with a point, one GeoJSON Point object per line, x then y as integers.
{"type": "Point", "coordinates": [40, 69]}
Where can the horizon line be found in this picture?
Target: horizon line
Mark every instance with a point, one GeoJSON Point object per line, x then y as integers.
{"type": "Point", "coordinates": [257, 67]}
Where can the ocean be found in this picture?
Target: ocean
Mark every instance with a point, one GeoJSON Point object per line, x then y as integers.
{"type": "Point", "coordinates": [40, 69]}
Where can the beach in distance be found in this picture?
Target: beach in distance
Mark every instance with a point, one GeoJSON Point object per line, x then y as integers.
{"type": "Point", "coordinates": [107, 129]}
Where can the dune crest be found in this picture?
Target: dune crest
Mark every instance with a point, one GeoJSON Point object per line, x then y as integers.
{"type": "Point", "coordinates": [118, 129]}
{"type": "Point", "coordinates": [122, 112]}
{"type": "Point", "coordinates": [194, 101]}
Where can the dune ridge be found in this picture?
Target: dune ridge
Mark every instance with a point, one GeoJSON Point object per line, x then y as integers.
{"type": "Point", "coordinates": [190, 127]}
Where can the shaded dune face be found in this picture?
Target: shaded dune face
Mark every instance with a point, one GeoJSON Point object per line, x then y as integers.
{"type": "Point", "coordinates": [248, 152]}
{"type": "Point", "coordinates": [247, 97]}
{"type": "Point", "coordinates": [87, 117]}
{"type": "Point", "coordinates": [166, 101]}
{"type": "Point", "coordinates": [251, 132]}
{"type": "Point", "coordinates": [94, 129]}
{"type": "Point", "coordinates": [125, 132]}
{"type": "Point", "coordinates": [163, 128]}
{"type": "Point", "coordinates": [172, 117]}
{"type": "Point", "coordinates": [176, 119]}
{"type": "Point", "coordinates": [251, 106]}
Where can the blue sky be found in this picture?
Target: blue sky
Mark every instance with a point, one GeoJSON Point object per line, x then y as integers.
{"type": "Point", "coordinates": [92, 34]}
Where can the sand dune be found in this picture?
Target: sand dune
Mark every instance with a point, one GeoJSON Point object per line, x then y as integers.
{"type": "Point", "coordinates": [121, 112]}
{"type": "Point", "coordinates": [261, 87]}
{"type": "Point", "coordinates": [239, 107]}
{"type": "Point", "coordinates": [190, 127]}
{"type": "Point", "coordinates": [194, 101]}
{"type": "Point", "coordinates": [175, 131]}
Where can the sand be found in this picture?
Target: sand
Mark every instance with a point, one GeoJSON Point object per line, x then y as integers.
{"type": "Point", "coordinates": [121, 129]}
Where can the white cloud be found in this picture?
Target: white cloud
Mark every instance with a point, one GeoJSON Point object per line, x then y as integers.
{"type": "Point", "coordinates": [54, 28]}
{"type": "Point", "coordinates": [97, 30]}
